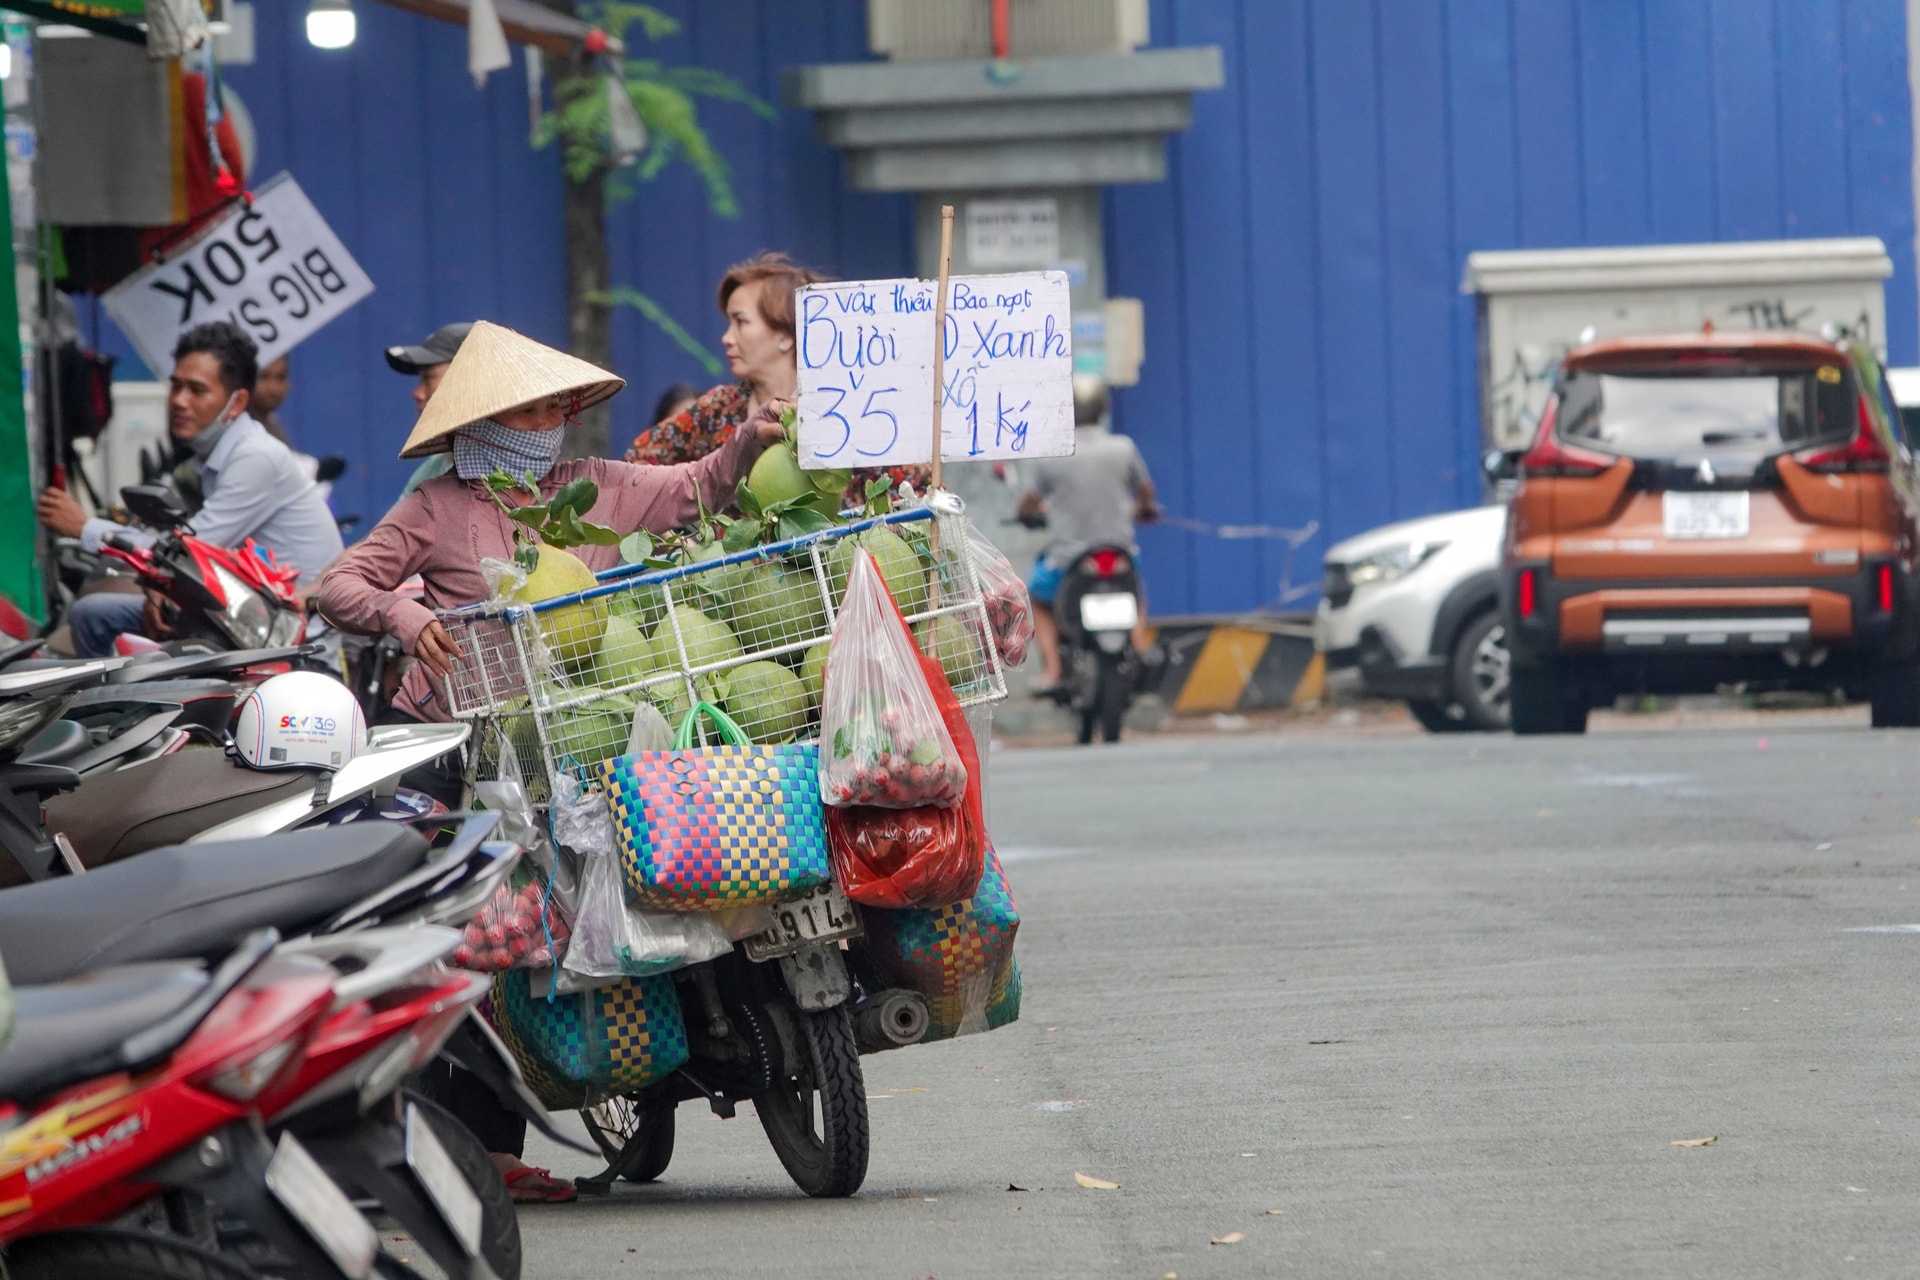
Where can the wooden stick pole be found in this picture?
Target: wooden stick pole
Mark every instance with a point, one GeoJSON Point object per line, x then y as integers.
{"type": "Point", "coordinates": [940, 334]}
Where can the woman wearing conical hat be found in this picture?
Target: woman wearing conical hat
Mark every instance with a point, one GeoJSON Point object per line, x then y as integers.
{"type": "Point", "coordinates": [503, 404]}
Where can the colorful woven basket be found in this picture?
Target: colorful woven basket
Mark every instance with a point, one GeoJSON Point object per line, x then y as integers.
{"type": "Point", "coordinates": [579, 1048]}
{"type": "Point", "coordinates": [960, 957]}
{"type": "Point", "coordinates": [707, 828]}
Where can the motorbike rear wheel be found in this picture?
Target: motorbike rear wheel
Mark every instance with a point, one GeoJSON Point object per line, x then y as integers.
{"type": "Point", "coordinates": [1112, 691]}
{"type": "Point", "coordinates": [500, 1221]}
{"type": "Point", "coordinates": [815, 1114]}
{"type": "Point", "coordinates": [618, 1123]}
{"type": "Point", "coordinates": [116, 1255]}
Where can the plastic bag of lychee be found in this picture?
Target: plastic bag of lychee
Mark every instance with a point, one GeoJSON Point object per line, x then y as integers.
{"type": "Point", "coordinates": [1009, 611]}
{"type": "Point", "coordinates": [883, 740]}
{"type": "Point", "coordinates": [517, 929]}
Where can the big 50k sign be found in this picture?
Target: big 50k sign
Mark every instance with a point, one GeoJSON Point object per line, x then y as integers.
{"type": "Point", "coordinates": [272, 266]}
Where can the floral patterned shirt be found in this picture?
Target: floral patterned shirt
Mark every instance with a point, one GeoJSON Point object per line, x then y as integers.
{"type": "Point", "coordinates": [711, 422]}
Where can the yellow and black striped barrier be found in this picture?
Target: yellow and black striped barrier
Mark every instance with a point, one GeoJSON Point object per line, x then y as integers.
{"type": "Point", "coordinates": [1253, 662]}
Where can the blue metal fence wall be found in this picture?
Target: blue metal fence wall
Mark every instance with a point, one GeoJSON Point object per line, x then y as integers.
{"type": "Point", "coordinates": [1309, 357]}
{"type": "Point", "coordinates": [1308, 354]}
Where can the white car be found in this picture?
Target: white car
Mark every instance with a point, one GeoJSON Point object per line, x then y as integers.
{"type": "Point", "coordinates": [1415, 607]}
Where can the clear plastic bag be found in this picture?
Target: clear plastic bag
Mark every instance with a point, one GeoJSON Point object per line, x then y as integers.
{"type": "Point", "coordinates": [518, 929]}
{"type": "Point", "coordinates": [1009, 611]}
{"type": "Point", "coordinates": [610, 938]}
{"type": "Point", "coordinates": [883, 740]}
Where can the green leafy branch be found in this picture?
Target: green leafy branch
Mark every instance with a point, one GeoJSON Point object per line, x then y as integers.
{"type": "Point", "coordinates": [556, 522]}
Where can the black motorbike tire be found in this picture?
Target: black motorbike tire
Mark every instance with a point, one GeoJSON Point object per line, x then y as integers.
{"type": "Point", "coordinates": [831, 1161]}
{"type": "Point", "coordinates": [628, 1123]}
{"type": "Point", "coordinates": [1112, 692]}
{"type": "Point", "coordinates": [116, 1255]}
{"type": "Point", "coordinates": [500, 1220]}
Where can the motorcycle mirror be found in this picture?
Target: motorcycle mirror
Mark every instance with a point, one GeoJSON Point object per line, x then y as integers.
{"type": "Point", "coordinates": [155, 505]}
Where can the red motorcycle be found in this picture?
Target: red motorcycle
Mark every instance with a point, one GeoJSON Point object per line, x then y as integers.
{"type": "Point", "coordinates": [221, 597]}
{"type": "Point", "coordinates": [131, 1082]}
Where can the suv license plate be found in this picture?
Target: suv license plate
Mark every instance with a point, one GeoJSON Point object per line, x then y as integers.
{"type": "Point", "coordinates": [1109, 611]}
{"type": "Point", "coordinates": [1702, 516]}
{"type": "Point", "coordinates": [822, 916]}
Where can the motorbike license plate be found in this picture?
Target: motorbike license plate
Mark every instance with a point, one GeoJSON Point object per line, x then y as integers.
{"type": "Point", "coordinates": [824, 915]}
{"type": "Point", "coordinates": [1705, 516]}
{"type": "Point", "coordinates": [440, 1177]}
{"type": "Point", "coordinates": [1109, 611]}
{"type": "Point", "coordinates": [304, 1190]}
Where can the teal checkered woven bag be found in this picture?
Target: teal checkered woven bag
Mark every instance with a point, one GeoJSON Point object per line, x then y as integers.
{"type": "Point", "coordinates": [581, 1047]}
{"type": "Point", "coordinates": [708, 828]}
{"type": "Point", "coordinates": [960, 957]}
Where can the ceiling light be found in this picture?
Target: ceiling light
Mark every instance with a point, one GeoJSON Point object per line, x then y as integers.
{"type": "Point", "coordinates": [330, 24]}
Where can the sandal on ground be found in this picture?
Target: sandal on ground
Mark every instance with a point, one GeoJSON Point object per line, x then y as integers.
{"type": "Point", "coordinates": [528, 1185]}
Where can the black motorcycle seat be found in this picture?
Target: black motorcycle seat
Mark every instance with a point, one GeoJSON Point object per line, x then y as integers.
{"type": "Point", "coordinates": [60, 1032]}
{"type": "Point", "coordinates": [196, 901]}
{"type": "Point", "coordinates": [163, 801]}
{"type": "Point", "coordinates": [58, 743]}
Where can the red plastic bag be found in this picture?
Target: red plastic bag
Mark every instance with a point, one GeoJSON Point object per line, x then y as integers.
{"type": "Point", "coordinates": [883, 740]}
{"type": "Point", "coordinates": [927, 856]}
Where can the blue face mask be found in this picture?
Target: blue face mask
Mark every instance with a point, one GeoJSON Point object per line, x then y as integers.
{"type": "Point", "coordinates": [485, 446]}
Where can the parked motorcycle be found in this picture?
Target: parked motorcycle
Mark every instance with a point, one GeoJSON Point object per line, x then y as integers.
{"type": "Point", "coordinates": [143, 1078]}
{"type": "Point", "coordinates": [371, 901]}
{"type": "Point", "coordinates": [226, 597]}
{"type": "Point", "coordinates": [53, 820]}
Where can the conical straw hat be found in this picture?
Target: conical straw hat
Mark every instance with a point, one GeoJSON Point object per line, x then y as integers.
{"type": "Point", "coordinates": [495, 370]}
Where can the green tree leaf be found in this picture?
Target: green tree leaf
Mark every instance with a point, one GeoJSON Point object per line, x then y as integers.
{"type": "Point", "coordinates": [599, 535]}
{"type": "Point", "coordinates": [637, 547]}
{"type": "Point", "coordinates": [742, 535]}
{"type": "Point", "coordinates": [577, 495]}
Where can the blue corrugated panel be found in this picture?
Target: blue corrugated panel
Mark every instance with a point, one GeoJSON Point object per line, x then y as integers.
{"type": "Point", "coordinates": [1309, 358]}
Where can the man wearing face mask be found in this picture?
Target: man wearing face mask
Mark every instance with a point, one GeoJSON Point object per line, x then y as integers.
{"type": "Point", "coordinates": [254, 486]}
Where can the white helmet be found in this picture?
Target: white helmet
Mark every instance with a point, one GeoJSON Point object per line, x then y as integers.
{"type": "Point", "coordinates": [299, 720]}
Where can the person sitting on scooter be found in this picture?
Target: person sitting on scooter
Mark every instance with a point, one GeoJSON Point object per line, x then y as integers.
{"type": "Point", "coordinates": [504, 404]}
{"type": "Point", "coordinates": [253, 486]}
{"type": "Point", "coordinates": [1089, 500]}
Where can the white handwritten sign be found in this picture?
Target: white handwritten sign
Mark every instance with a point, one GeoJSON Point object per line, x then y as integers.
{"type": "Point", "coordinates": [272, 267]}
{"type": "Point", "coordinates": [866, 370]}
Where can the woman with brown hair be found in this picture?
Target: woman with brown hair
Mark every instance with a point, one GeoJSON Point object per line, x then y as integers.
{"type": "Point", "coordinates": [756, 297]}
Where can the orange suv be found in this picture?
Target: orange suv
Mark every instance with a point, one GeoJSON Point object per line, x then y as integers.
{"type": "Point", "coordinates": [1710, 509]}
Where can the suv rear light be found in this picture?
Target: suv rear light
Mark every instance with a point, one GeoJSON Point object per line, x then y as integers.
{"type": "Point", "coordinates": [1528, 592]}
{"type": "Point", "coordinates": [1886, 588]}
{"type": "Point", "coordinates": [1863, 453]}
{"type": "Point", "coordinates": [1551, 456]}
{"type": "Point", "coordinates": [1108, 563]}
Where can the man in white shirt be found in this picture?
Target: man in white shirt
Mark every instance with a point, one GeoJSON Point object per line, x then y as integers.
{"type": "Point", "coordinates": [255, 487]}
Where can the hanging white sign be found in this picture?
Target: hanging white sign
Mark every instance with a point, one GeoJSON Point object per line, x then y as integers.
{"type": "Point", "coordinates": [866, 370]}
{"type": "Point", "coordinates": [273, 267]}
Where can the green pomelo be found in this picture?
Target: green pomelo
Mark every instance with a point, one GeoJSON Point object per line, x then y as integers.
{"type": "Point", "coordinates": [902, 569]}
{"type": "Point", "coordinates": [768, 701]}
{"type": "Point", "coordinates": [951, 640]}
{"type": "Point", "coordinates": [708, 640]}
{"type": "Point", "coordinates": [813, 670]}
{"type": "Point", "coordinates": [645, 605]}
{"type": "Point", "coordinates": [776, 477]}
{"type": "Point", "coordinates": [588, 734]}
{"type": "Point", "coordinates": [626, 655]}
{"type": "Point", "coordinates": [773, 606]}
{"type": "Point", "coordinates": [573, 631]}
{"type": "Point", "coordinates": [716, 586]}
{"type": "Point", "coordinates": [831, 484]}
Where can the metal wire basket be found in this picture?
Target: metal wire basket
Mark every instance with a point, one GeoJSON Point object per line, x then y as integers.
{"type": "Point", "coordinates": [561, 683]}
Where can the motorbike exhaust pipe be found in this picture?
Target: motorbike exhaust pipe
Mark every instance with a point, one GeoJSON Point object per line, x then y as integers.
{"type": "Point", "coordinates": [889, 1020]}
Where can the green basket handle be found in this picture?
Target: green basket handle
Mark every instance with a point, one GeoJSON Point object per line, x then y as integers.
{"type": "Point", "coordinates": [730, 731]}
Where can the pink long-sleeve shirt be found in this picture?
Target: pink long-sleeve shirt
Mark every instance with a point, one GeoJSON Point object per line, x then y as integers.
{"type": "Point", "coordinates": [443, 529]}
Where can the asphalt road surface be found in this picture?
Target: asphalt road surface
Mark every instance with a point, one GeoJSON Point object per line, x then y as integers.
{"type": "Point", "coordinates": [1444, 1004]}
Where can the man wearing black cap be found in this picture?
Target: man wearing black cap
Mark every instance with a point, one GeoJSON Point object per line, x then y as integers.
{"type": "Point", "coordinates": [427, 362]}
